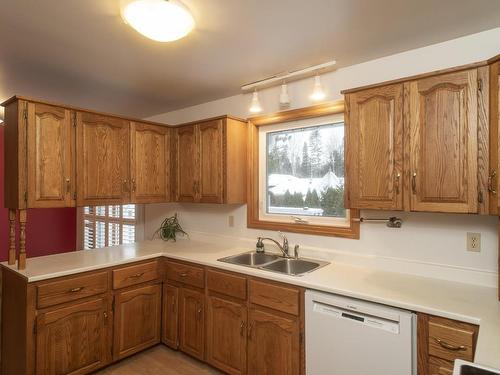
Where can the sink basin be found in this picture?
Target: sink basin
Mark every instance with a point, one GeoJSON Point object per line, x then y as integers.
{"type": "Point", "coordinates": [293, 266]}
{"type": "Point", "coordinates": [250, 259]}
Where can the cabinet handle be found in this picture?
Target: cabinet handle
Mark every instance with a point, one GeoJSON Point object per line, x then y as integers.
{"type": "Point", "coordinates": [76, 290]}
{"type": "Point", "coordinates": [105, 315]}
{"type": "Point", "coordinates": [414, 183]}
{"type": "Point", "coordinates": [199, 313]}
{"type": "Point", "coordinates": [183, 274]}
{"type": "Point", "coordinates": [398, 176]}
{"type": "Point", "coordinates": [242, 328]}
{"type": "Point", "coordinates": [133, 185]}
{"type": "Point", "coordinates": [491, 189]}
{"type": "Point", "coordinates": [445, 345]}
{"type": "Point", "coordinates": [68, 185]}
{"type": "Point", "coordinates": [136, 276]}
{"type": "Point", "coordinates": [125, 186]}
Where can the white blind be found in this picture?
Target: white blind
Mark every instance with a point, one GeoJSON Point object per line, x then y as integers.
{"type": "Point", "coordinates": [109, 225]}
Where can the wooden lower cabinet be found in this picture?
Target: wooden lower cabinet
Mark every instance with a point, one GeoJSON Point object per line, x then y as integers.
{"type": "Point", "coordinates": [137, 320]}
{"type": "Point", "coordinates": [170, 334]}
{"type": "Point", "coordinates": [73, 339]}
{"type": "Point", "coordinates": [192, 322]}
{"type": "Point", "coordinates": [273, 343]}
{"type": "Point", "coordinates": [227, 335]}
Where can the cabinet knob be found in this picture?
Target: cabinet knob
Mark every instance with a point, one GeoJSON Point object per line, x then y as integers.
{"type": "Point", "coordinates": [491, 188]}
{"type": "Point", "coordinates": [68, 185]}
{"type": "Point", "coordinates": [398, 176]}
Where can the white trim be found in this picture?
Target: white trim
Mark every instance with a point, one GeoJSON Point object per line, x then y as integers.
{"type": "Point", "coordinates": [290, 125]}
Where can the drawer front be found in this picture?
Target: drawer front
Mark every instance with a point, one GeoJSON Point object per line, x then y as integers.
{"type": "Point", "coordinates": [136, 274]}
{"type": "Point", "coordinates": [440, 367]}
{"type": "Point", "coordinates": [274, 296]}
{"type": "Point", "coordinates": [226, 283]}
{"type": "Point", "coordinates": [186, 274]}
{"type": "Point", "coordinates": [451, 340]}
{"type": "Point", "coordinates": [71, 289]}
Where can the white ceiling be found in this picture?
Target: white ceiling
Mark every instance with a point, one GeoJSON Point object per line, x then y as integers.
{"type": "Point", "coordinates": [80, 52]}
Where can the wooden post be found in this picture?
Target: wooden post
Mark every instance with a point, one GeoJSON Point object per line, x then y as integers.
{"type": "Point", "coordinates": [12, 236]}
{"type": "Point", "coordinates": [22, 239]}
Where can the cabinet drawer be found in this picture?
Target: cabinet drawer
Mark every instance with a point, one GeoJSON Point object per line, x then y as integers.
{"type": "Point", "coordinates": [186, 274]}
{"type": "Point", "coordinates": [226, 283]}
{"type": "Point", "coordinates": [440, 367]}
{"type": "Point", "coordinates": [70, 289]}
{"type": "Point", "coordinates": [136, 274]}
{"type": "Point", "coordinates": [450, 340]}
{"type": "Point", "coordinates": [274, 296]}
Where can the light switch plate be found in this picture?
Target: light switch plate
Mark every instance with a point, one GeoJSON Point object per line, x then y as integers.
{"type": "Point", "coordinates": [473, 242]}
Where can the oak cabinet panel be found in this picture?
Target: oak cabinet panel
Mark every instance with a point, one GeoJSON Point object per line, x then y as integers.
{"type": "Point", "coordinates": [227, 335]}
{"type": "Point", "coordinates": [50, 152]}
{"type": "Point", "coordinates": [102, 160]}
{"type": "Point", "coordinates": [375, 148]}
{"type": "Point", "coordinates": [186, 169]}
{"type": "Point", "coordinates": [137, 320]}
{"type": "Point", "coordinates": [209, 162]}
{"type": "Point", "coordinates": [149, 163]}
{"type": "Point", "coordinates": [72, 340]}
{"type": "Point", "coordinates": [494, 117]}
{"type": "Point", "coordinates": [442, 128]}
{"type": "Point", "coordinates": [273, 343]}
{"type": "Point", "coordinates": [211, 168]}
{"type": "Point", "coordinates": [170, 316]}
{"type": "Point", "coordinates": [192, 326]}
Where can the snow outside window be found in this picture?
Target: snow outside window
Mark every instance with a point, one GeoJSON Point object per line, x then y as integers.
{"type": "Point", "coordinates": [301, 166]}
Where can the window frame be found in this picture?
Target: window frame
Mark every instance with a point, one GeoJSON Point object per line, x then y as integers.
{"type": "Point", "coordinates": [139, 223]}
{"type": "Point", "coordinates": [351, 230]}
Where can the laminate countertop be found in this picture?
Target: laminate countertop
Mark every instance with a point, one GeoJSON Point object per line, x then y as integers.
{"type": "Point", "coordinates": [465, 302]}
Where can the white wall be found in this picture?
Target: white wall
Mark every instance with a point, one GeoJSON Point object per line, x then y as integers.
{"type": "Point", "coordinates": [429, 244]}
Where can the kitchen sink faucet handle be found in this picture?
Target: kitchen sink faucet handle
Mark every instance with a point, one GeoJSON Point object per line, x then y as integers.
{"type": "Point", "coordinates": [296, 252]}
{"type": "Point", "coordinates": [259, 246]}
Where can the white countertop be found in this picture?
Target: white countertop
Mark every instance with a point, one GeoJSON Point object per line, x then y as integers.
{"type": "Point", "coordinates": [464, 302]}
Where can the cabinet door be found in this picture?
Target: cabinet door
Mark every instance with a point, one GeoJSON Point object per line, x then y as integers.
{"type": "Point", "coordinates": [72, 340]}
{"type": "Point", "coordinates": [186, 164]}
{"type": "Point", "coordinates": [150, 163]}
{"type": "Point", "coordinates": [210, 187]}
{"type": "Point", "coordinates": [137, 320]}
{"type": "Point", "coordinates": [442, 119]}
{"type": "Point", "coordinates": [494, 180]}
{"type": "Point", "coordinates": [375, 126]}
{"type": "Point", "coordinates": [226, 335]}
{"type": "Point", "coordinates": [192, 327]}
{"type": "Point", "coordinates": [50, 152]}
{"type": "Point", "coordinates": [102, 160]}
{"type": "Point", "coordinates": [171, 316]}
{"type": "Point", "coordinates": [273, 344]}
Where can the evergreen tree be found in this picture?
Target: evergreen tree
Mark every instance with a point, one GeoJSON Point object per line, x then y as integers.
{"type": "Point", "coordinates": [315, 151]}
{"type": "Point", "coordinates": [332, 202]}
{"type": "Point", "coordinates": [305, 170]}
{"type": "Point", "coordinates": [297, 200]}
{"type": "Point", "coordinates": [273, 160]}
{"type": "Point", "coordinates": [287, 199]}
{"type": "Point", "coordinates": [312, 199]}
{"type": "Point", "coordinates": [338, 162]}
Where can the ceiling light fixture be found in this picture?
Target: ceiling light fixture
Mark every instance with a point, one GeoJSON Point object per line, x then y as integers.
{"type": "Point", "coordinates": [284, 97]}
{"type": "Point", "coordinates": [255, 103]}
{"type": "Point", "coordinates": [159, 20]}
{"type": "Point", "coordinates": [318, 92]}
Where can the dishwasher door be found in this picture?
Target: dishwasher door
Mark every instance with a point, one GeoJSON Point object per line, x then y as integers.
{"type": "Point", "coordinates": [351, 337]}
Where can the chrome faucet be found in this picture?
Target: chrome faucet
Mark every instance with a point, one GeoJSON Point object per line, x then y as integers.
{"type": "Point", "coordinates": [283, 247]}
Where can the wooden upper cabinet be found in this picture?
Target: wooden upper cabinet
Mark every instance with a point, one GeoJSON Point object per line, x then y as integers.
{"type": "Point", "coordinates": [73, 339]}
{"type": "Point", "coordinates": [185, 159]}
{"type": "Point", "coordinates": [49, 155]}
{"type": "Point", "coordinates": [211, 169]}
{"type": "Point", "coordinates": [149, 163]}
{"type": "Point", "coordinates": [102, 160]}
{"type": "Point", "coordinates": [442, 141]}
{"type": "Point", "coordinates": [375, 148]}
{"type": "Point", "coordinates": [214, 153]}
{"type": "Point", "coordinates": [494, 116]}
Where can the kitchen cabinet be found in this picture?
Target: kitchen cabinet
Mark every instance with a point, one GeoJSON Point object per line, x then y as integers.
{"type": "Point", "coordinates": [214, 153]}
{"type": "Point", "coordinates": [137, 319]}
{"type": "Point", "coordinates": [170, 316]}
{"type": "Point", "coordinates": [72, 339]}
{"type": "Point", "coordinates": [149, 163]}
{"type": "Point", "coordinates": [413, 144]}
{"type": "Point", "coordinates": [192, 322]}
{"type": "Point", "coordinates": [494, 117]}
{"type": "Point", "coordinates": [273, 343]}
{"type": "Point", "coordinates": [375, 134]}
{"type": "Point", "coordinates": [102, 159]}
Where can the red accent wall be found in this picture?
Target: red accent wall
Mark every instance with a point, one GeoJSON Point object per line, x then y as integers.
{"type": "Point", "coordinates": [48, 231]}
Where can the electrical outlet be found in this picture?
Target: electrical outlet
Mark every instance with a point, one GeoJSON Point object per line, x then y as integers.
{"type": "Point", "coordinates": [231, 221]}
{"type": "Point", "coordinates": [474, 242]}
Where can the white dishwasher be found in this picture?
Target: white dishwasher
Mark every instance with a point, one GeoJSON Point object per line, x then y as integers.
{"type": "Point", "coordinates": [346, 336]}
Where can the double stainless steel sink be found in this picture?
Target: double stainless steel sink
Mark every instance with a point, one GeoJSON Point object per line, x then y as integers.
{"type": "Point", "coordinates": [275, 263]}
